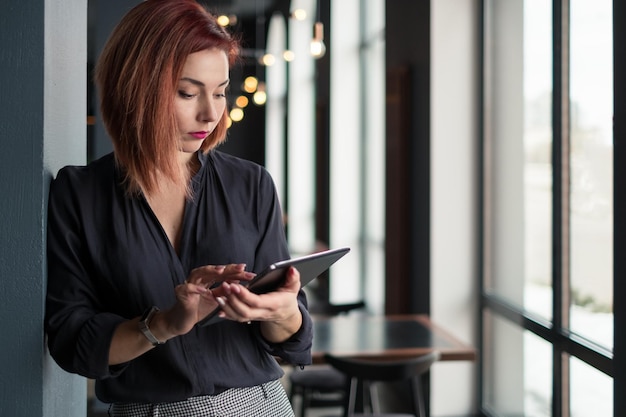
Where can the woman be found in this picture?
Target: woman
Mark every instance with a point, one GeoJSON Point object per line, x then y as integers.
{"type": "Point", "coordinates": [140, 240]}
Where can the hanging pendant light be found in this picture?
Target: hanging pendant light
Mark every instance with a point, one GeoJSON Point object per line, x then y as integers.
{"type": "Point", "coordinates": [318, 48]}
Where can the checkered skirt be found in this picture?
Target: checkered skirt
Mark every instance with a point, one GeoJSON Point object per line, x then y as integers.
{"type": "Point", "coordinates": [265, 400]}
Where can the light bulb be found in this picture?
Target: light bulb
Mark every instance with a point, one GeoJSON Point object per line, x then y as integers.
{"type": "Point", "coordinates": [223, 20]}
{"type": "Point", "coordinates": [250, 84]}
{"type": "Point", "coordinates": [268, 60]}
{"type": "Point", "coordinates": [299, 14]}
{"type": "Point", "coordinates": [260, 96]}
{"type": "Point", "coordinates": [288, 55]}
{"type": "Point", "coordinates": [236, 114]}
{"type": "Point", "coordinates": [318, 49]}
{"type": "Point", "coordinates": [241, 102]}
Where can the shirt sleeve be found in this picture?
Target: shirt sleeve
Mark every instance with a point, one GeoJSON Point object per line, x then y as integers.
{"type": "Point", "coordinates": [297, 349]}
{"type": "Point", "coordinates": [79, 332]}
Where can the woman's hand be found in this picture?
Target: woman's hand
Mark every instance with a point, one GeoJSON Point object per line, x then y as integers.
{"type": "Point", "coordinates": [194, 301]}
{"type": "Point", "coordinates": [195, 298]}
{"type": "Point", "coordinates": [277, 310]}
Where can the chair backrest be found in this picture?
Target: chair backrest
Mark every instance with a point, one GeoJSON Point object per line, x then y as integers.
{"type": "Point", "coordinates": [324, 308]}
{"type": "Point", "coordinates": [337, 309]}
{"type": "Point", "coordinates": [362, 372]}
{"type": "Point", "coordinates": [395, 370]}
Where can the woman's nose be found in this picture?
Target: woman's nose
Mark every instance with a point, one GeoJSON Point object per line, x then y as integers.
{"type": "Point", "coordinates": [207, 111]}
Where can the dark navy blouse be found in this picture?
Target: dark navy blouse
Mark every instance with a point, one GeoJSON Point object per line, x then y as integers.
{"type": "Point", "coordinates": [109, 260]}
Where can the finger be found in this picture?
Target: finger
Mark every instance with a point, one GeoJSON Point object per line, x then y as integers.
{"type": "Point", "coordinates": [189, 289]}
{"type": "Point", "coordinates": [292, 281]}
{"type": "Point", "coordinates": [235, 272]}
{"type": "Point", "coordinates": [236, 276]}
{"type": "Point", "coordinates": [240, 292]}
{"type": "Point", "coordinates": [207, 275]}
{"type": "Point", "coordinates": [293, 275]}
{"type": "Point", "coordinates": [219, 273]}
{"type": "Point", "coordinates": [227, 310]}
{"type": "Point", "coordinates": [212, 276]}
{"type": "Point", "coordinates": [235, 268]}
{"type": "Point", "coordinates": [236, 309]}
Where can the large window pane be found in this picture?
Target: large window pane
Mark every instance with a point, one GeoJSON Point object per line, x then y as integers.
{"type": "Point", "coordinates": [357, 150]}
{"type": "Point", "coordinates": [592, 169]}
{"type": "Point", "coordinates": [537, 376]}
{"type": "Point", "coordinates": [519, 135]}
{"type": "Point", "coordinates": [373, 182]}
{"type": "Point", "coordinates": [518, 371]}
{"type": "Point", "coordinates": [301, 133]}
{"type": "Point", "coordinates": [591, 391]}
{"type": "Point", "coordinates": [538, 156]}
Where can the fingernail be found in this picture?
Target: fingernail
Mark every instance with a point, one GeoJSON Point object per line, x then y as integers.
{"type": "Point", "coordinates": [221, 301]}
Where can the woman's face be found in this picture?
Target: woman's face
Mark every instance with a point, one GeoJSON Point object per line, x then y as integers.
{"type": "Point", "coordinates": [201, 97]}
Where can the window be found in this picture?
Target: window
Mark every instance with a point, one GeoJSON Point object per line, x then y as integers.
{"type": "Point", "coordinates": [336, 146]}
{"type": "Point", "coordinates": [357, 149]}
{"type": "Point", "coordinates": [548, 208]}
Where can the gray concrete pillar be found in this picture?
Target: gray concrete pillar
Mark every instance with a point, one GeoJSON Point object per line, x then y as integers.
{"type": "Point", "coordinates": [43, 55]}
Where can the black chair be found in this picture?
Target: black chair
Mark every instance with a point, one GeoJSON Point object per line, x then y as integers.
{"type": "Point", "coordinates": [321, 385]}
{"type": "Point", "coordinates": [362, 374]}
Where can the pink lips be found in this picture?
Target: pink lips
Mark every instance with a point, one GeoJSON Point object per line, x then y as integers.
{"type": "Point", "coordinates": [199, 135]}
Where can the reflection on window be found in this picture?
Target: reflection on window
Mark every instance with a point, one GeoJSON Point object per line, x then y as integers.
{"type": "Point", "coordinates": [591, 85]}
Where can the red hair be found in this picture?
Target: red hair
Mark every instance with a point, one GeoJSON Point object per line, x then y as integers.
{"type": "Point", "coordinates": [137, 76]}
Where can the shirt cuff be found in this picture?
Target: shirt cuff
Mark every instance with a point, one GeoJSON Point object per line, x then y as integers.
{"type": "Point", "coordinates": [297, 349]}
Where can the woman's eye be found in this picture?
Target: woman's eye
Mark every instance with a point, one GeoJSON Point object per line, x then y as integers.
{"type": "Point", "coordinates": [186, 95]}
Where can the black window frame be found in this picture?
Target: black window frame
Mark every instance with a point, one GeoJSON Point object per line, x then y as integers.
{"type": "Point", "coordinates": [555, 332]}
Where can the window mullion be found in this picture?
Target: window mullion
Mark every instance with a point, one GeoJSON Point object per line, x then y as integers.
{"type": "Point", "coordinates": [561, 202]}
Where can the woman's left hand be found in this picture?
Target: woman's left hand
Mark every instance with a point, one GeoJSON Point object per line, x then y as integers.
{"type": "Point", "coordinates": [277, 310]}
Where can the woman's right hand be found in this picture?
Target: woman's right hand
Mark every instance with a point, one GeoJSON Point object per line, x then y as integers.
{"type": "Point", "coordinates": [194, 301]}
{"type": "Point", "coordinates": [195, 298]}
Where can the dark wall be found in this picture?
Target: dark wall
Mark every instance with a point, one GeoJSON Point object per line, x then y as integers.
{"type": "Point", "coordinates": [103, 15]}
{"type": "Point", "coordinates": [408, 156]}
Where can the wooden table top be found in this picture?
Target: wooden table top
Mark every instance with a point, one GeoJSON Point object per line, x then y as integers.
{"type": "Point", "coordinates": [385, 338]}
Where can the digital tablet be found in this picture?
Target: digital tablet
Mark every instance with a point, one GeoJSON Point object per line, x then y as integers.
{"type": "Point", "coordinates": [310, 267]}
